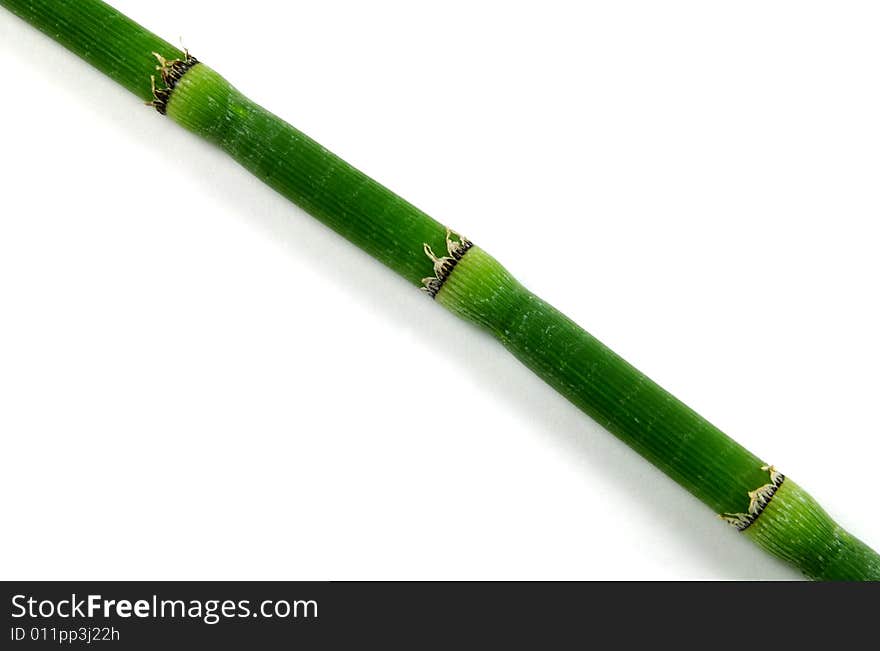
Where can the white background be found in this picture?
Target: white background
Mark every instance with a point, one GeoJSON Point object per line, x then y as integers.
{"type": "Point", "coordinates": [199, 381]}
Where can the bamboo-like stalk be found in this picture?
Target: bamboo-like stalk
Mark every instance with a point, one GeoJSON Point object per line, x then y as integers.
{"type": "Point", "coordinates": [749, 493]}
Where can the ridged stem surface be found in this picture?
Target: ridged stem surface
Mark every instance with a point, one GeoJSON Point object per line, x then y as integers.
{"type": "Point", "coordinates": [365, 212]}
{"type": "Point", "coordinates": [692, 451]}
{"type": "Point", "coordinates": [101, 35]}
{"type": "Point", "coordinates": [660, 427]}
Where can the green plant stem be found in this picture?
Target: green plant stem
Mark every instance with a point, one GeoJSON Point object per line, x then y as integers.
{"type": "Point", "coordinates": [368, 214]}
{"type": "Point", "coordinates": [99, 34]}
{"type": "Point", "coordinates": [692, 451]}
{"type": "Point", "coordinates": [773, 511]}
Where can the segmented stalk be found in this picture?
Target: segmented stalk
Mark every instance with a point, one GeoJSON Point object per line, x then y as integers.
{"type": "Point", "coordinates": [746, 491]}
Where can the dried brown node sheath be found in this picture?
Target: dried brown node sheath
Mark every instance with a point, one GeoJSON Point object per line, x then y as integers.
{"type": "Point", "coordinates": [171, 72]}
{"type": "Point", "coordinates": [444, 265]}
{"type": "Point", "coordinates": [758, 501]}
